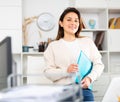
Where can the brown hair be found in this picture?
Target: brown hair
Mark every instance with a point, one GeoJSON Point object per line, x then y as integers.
{"type": "Point", "coordinates": [61, 30]}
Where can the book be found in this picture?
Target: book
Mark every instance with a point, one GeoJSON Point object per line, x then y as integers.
{"type": "Point", "coordinates": [85, 66]}
{"type": "Point", "coordinates": [99, 40]}
{"type": "Point", "coordinates": [117, 24]}
{"type": "Point", "coordinates": [112, 23]}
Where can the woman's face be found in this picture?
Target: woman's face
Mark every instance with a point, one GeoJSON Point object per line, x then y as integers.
{"type": "Point", "coordinates": [70, 23]}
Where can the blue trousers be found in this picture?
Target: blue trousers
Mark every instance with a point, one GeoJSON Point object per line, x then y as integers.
{"type": "Point", "coordinates": [87, 95]}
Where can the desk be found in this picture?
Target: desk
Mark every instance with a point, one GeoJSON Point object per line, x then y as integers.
{"type": "Point", "coordinates": [113, 91]}
{"type": "Point", "coordinates": [42, 93]}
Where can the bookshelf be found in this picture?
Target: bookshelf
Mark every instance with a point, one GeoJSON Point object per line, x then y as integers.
{"type": "Point", "coordinates": [102, 11]}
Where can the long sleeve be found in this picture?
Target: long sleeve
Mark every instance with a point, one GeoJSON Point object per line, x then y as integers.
{"type": "Point", "coordinates": [52, 70]}
{"type": "Point", "coordinates": [98, 65]}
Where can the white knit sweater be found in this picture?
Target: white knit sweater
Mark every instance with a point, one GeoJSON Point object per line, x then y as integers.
{"type": "Point", "coordinates": [58, 57]}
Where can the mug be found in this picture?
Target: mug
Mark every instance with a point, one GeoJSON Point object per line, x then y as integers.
{"type": "Point", "coordinates": [25, 48]}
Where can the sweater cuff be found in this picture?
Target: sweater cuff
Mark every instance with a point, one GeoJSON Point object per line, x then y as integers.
{"type": "Point", "coordinates": [92, 78]}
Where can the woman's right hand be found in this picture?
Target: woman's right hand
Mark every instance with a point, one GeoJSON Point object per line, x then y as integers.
{"type": "Point", "coordinates": [72, 68]}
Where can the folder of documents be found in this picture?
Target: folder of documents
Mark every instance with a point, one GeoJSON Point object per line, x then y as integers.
{"type": "Point", "coordinates": [85, 66]}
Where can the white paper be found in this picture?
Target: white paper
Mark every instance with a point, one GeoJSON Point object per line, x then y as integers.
{"type": "Point", "coordinates": [113, 91]}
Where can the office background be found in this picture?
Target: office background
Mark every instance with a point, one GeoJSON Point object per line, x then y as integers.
{"type": "Point", "coordinates": [14, 13]}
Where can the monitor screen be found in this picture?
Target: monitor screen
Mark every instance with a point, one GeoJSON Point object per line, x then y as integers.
{"type": "Point", "coordinates": [5, 61]}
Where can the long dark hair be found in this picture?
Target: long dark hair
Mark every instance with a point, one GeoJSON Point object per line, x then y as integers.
{"type": "Point", "coordinates": [61, 30]}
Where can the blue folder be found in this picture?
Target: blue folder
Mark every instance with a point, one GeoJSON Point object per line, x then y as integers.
{"type": "Point", "coordinates": [85, 66]}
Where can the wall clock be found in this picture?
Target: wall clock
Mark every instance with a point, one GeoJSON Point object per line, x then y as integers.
{"type": "Point", "coordinates": [46, 21]}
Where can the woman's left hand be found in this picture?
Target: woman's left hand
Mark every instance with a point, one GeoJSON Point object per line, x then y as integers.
{"type": "Point", "coordinates": [85, 82]}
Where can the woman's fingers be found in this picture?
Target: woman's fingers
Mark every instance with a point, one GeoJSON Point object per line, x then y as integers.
{"type": "Point", "coordinates": [73, 68]}
{"type": "Point", "coordinates": [85, 82]}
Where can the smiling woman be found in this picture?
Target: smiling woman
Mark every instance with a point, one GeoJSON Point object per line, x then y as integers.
{"type": "Point", "coordinates": [62, 54]}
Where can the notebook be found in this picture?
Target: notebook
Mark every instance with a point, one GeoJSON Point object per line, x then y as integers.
{"type": "Point", "coordinates": [85, 66]}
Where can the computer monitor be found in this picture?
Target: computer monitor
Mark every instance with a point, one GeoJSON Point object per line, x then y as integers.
{"type": "Point", "coordinates": [5, 61]}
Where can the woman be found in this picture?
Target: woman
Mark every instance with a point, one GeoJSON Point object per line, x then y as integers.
{"type": "Point", "coordinates": [61, 55]}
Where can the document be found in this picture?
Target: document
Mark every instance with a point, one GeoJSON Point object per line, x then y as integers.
{"type": "Point", "coordinates": [85, 66]}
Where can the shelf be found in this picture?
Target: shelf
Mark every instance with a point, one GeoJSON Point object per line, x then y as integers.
{"type": "Point", "coordinates": [99, 15]}
{"type": "Point", "coordinates": [93, 30]}
{"type": "Point", "coordinates": [113, 40]}
{"type": "Point", "coordinates": [32, 53]}
{"type": "Point", "coordinates": [114, 62]}
{"type": "Point", "coordinates": [105, 51]}
{"type": "Point", "coordinates": [113, 13]}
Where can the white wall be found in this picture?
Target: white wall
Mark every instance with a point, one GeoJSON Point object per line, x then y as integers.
{"type": "Point", "coordinates": [10, 22]}
{"type": "Point", "coordinates": [36, 7]}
